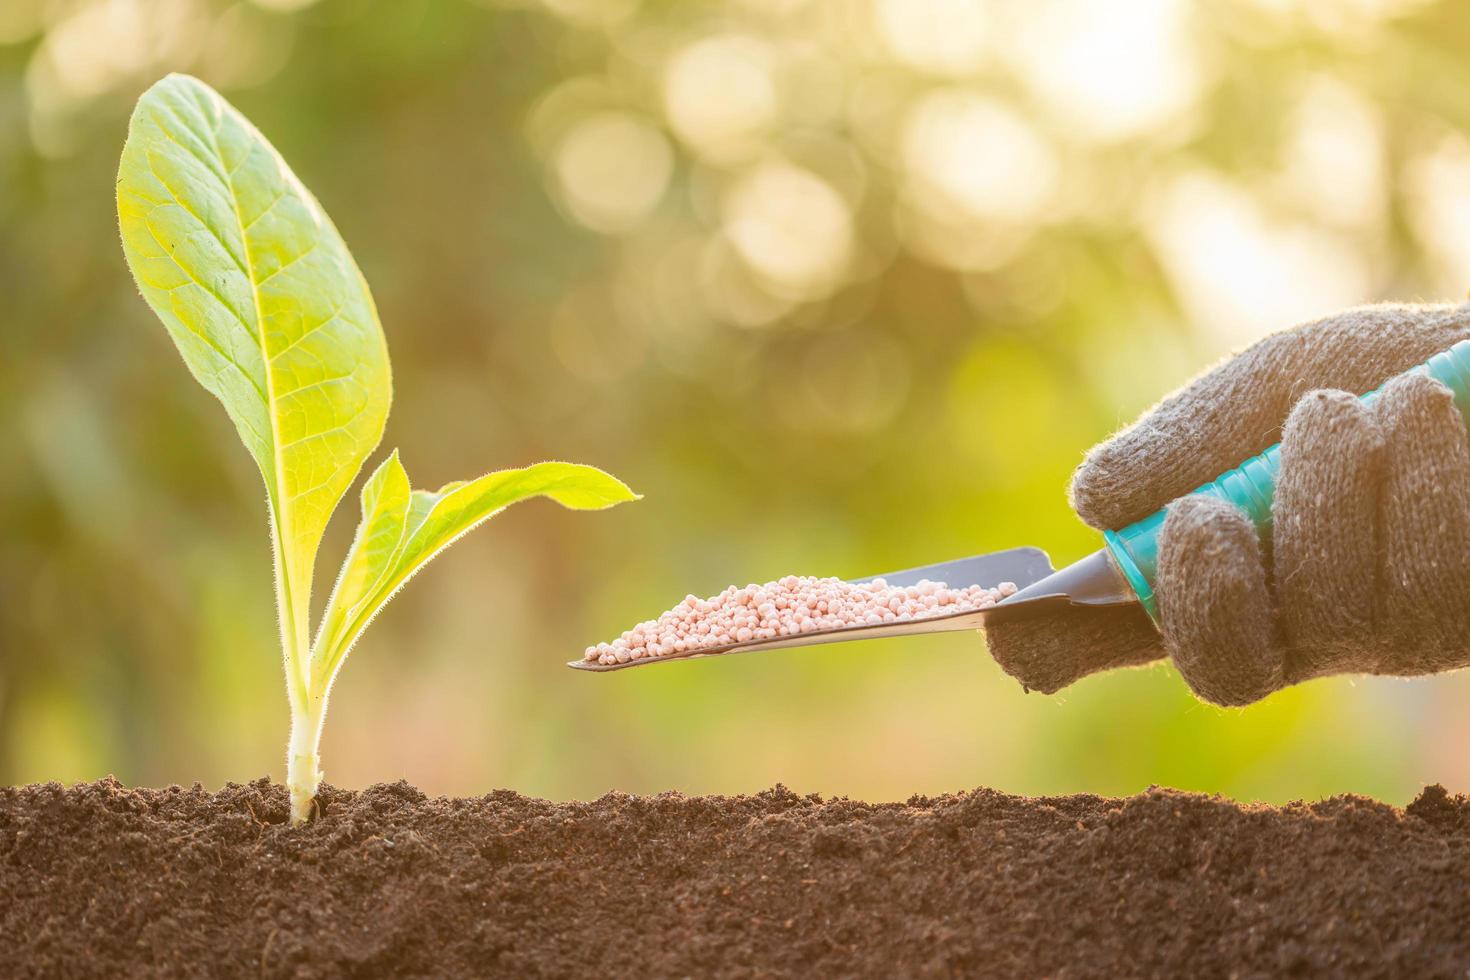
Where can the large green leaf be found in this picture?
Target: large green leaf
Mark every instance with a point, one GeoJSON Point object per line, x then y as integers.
{"type": "Point", "coordinates": [400, 532]}
{"type": "Point", "coordinates": [267, 307]}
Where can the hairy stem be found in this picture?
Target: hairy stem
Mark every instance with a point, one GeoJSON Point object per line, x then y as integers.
{"type": "Point", "coordinates": [303, 772]}
{"type": "Point", "coordinates": [303, 765]}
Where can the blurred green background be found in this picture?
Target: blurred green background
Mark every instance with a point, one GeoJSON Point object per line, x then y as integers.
{"type": "Point", "coordinates": [840, 285]}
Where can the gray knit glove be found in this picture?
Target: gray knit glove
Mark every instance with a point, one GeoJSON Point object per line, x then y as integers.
{"type": "Point", "coordinates": [1368, 566]}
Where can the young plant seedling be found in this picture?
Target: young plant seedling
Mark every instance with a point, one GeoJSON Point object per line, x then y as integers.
{"type": "Point", "coordinates": [273, 318]}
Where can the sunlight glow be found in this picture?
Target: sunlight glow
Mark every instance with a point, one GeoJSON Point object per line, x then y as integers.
{"type": "Point", "coordinates": [720, 95]}
{"type": "Point", "coordinates": [1241, 274]}
{"type": "Point", "coordinates": [791, 228]}
{"type": "Point", "coordinates": [87, 54]}
{"type": "Point", "coordinates": [613, 170]}
{"type": "Point", "coordinates": [100, 48]}
{"type": "Point", "coordinates": [1345, 17]}
{"type": "Point", "coordinates": [1437, 186]}
{"type": "Point", "coordinates": [1334, 162]}
{"type": "Point", "coordinates": [730, 292]}
{"type": "Point", "coordinates": [966, 151]}
{"type": "Point", "coordinates": [1109, 71]}
{"type": "Point", "coordinates": [285, 5]}
{"type": "Point", "coordinates": [943, 37]}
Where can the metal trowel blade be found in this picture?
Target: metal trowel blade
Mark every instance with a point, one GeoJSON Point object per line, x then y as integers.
{"type": "Point", "coordinates": [1091, 581]}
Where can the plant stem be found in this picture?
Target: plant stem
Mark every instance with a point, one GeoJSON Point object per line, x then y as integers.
{"type": "Point", "coordinates": [303, 772]}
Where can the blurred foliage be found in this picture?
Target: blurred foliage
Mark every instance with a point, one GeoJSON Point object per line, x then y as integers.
{"type": "Point", "coordinates": [840, 285]}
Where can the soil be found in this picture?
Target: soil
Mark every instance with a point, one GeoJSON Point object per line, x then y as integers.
{"type": "Point", "coordinates": [101, 880]}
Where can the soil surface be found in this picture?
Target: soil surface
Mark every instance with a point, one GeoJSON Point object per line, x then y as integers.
{"type": "Point", "coordinates": [101, 880]}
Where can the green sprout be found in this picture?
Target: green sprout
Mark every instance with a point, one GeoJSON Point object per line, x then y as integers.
{"type": "Point", "coordinates": [273, 317]}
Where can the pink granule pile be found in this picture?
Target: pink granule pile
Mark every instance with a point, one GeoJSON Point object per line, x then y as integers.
{"type": "Point", "coordinates": [787, 607]}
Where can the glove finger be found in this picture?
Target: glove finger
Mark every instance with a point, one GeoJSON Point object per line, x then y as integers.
{"type": "Point", "coordinates": [1214, 606]}
{"type": "Point", "coordinates": [1325, 534]}
{"type": "Point", "coordinates": [1047, 654]}
{"type": "Point", "coordinates": [1236, 409]}
{"type": "Point", "coordinates": [1426, 526]}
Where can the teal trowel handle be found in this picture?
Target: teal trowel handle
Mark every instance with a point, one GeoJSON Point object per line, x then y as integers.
{"type": "Point", "coordinates": [1251, 485]}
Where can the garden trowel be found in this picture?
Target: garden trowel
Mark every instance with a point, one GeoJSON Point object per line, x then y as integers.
{"type": "Point", "coordinates": [1121, 572]}
{"type": "Point", "coordinates": [1094, 581]}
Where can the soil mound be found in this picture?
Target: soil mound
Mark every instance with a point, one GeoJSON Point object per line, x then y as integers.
{"type": "Point", "coordinates": [98, 879]}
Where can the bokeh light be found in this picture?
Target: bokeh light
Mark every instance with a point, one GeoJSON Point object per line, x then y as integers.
{"type": "Point", "coordinates": [946, 37]}
{"type": "Point", "coordinates": [613, 169]}
{"type": "Point", "coordinates": [1438, 191]}
{"type": "Point", "coordinates": [720, 95]}
{"type": "Point", "coordinates": [791, 228]}
{"type": "Point", "coordinates": [1214, 238]}
{"type": "Point", "coordinates": [975, 154]}
{"type": "Point", "coordinates": [1110, 71]}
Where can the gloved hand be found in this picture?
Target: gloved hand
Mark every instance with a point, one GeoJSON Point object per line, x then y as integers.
{"type": "Point", "coordinates": [1367, 569]}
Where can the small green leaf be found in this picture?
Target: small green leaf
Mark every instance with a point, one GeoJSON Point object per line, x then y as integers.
{"type": "Point", "coordinates": [264, 302]}
{"type": "Point", "coordinates": [385, 500]}
{"type": "Point", "coordinates": [427, 523]}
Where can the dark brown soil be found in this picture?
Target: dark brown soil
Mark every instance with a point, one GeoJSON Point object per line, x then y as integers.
{"type": "Point", "coordinates": [102, 880]}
